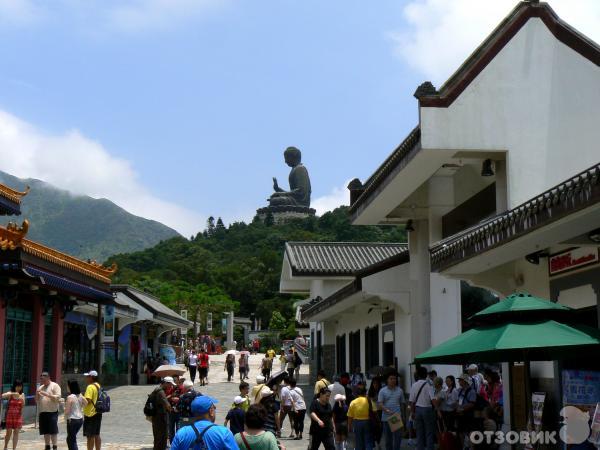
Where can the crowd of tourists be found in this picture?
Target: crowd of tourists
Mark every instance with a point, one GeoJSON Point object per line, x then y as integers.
{"type": "Point", "coordinates": [81, 410]}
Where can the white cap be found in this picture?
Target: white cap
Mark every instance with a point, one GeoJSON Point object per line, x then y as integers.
{"type": "Point", "coordinates": [91, 373]}
{"type": "Point", "coordinates": [265, 392]}
{"type": "Point", "coordinates": [473, 367]}
{"type": "Point", "coordinates": [238, 400]}
{"type": "Point", "coordinates": [260, 379]}
{"type": "Point", "coordinates": [339, 397]}
{"type": "Point", "coordinates": [188, 384]}
{"type": "Point", "coordinates": [169, 380]}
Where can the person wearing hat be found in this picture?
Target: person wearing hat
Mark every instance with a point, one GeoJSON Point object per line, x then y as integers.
{"type": "Point", "coordinates": [203, 429]}
{"type": "Point", "coordinates": [235, 416]}
{"type": "Point", "coordinates": [255, 392]}
{"type": "Point", "coordinates": [92, 419]}
{"type": "Point", "coordinates": [267, 399]}
{"type": "Point", "coordinates": [47, 397]}
{"type": "Point", "coordinates": [160, 420]}
{"type": "Point", "coordinates": [466, 405]}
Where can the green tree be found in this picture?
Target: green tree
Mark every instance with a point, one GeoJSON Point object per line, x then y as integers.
{"type": "Point", "coordinates": [277, 321]}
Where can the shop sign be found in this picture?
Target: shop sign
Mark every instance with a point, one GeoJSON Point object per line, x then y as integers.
{"type": "Point", "coordinates": [572, 259]}
{"type": "Point", "coordinates": [109, 321]}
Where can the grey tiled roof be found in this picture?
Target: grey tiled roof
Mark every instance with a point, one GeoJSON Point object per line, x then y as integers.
{"type": "Point", "coordinates": [338, 258]}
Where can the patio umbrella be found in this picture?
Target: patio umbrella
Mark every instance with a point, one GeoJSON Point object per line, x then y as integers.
{"type": "Point", "coordinates": [231, 352]}
{"type": "Point", "coordinates": [543, 340]}
{"type": "Point", "coordinates": [168, 370]}
{"type": "Point", "coordinates": [522, 306]}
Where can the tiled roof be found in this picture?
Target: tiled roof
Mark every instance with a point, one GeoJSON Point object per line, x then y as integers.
{"type": "Point", "coordinates": [574, 194]}
{"type": "Point", "coordinates": [338, 258]}
{"type": "Point", "coordinates": [12, 237]}
{"type": "Point", "coordinates": [406, 151]}
{"type": "Point", "coordinates": [10, 200]}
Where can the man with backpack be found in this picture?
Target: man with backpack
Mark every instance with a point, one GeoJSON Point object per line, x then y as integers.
{"type": "Point", "coordinates": [157, 408]}
{"type": "Point", "coordinates": [204, 434]}
{"type": "Point", "coordinates": [92, 411]}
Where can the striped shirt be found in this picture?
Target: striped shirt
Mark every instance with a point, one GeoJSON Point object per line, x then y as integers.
{"type": "Point", "coordinates": [390, 399]}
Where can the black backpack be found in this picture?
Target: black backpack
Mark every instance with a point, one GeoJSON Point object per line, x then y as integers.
{"type": "Point", "coordinates": [150, 406]}
{"type": "Point", "coordinates": [103, 402]}
{"type": "Point", "coordinates": [199, 443]}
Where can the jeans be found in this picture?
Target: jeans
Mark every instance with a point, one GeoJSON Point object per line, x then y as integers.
{"type": "Point", "coordinates": [73, 427]}
{"type": "Point", "coordinates": [425, 426]}
{"type": "Point", "coordinates": [193, 373]}
{"type": "Point", "coordinates": [392, 439]}
{"type": "Point", "coordinates": [363, 435]}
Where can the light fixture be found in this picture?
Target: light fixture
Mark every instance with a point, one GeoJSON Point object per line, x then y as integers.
{"type": "Point", "coordinates": [486, 168]}
{"type": "Point", "coordinates": [534, 258]}
{"type": "Point", "coordinates": [409, 226]}
{"type": "Point", "coordinates": [594, 236]}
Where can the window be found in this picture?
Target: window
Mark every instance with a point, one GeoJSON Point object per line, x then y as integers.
{"type": "Point", "coordinates": [78, 353]}
{"type": "Point", "coordinates": [371, 347]}
{"type": "Point", "coordinates": [17, 346]}
{"type": "Point", "coordinates": [354, 350]}
{"type": "Point", "coordinates": [340, 353]}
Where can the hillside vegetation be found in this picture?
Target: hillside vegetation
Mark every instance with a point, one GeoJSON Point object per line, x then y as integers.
{"type": "Point", "coordinates": [237, 266]}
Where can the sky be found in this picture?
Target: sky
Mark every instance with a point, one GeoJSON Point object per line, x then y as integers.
{"type": "Point", "coordinates": [181, 109]}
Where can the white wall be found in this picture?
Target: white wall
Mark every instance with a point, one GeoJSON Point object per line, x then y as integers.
{"type": "Point", "coordinates": [578, 297]}
{"type": "Point", "coordinates": [539, 100]}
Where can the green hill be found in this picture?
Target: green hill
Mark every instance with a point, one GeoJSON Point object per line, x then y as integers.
{"type": "Point", "coordinates": [80, 225]}
{"type": "Point", "coordinates": [240, 264]}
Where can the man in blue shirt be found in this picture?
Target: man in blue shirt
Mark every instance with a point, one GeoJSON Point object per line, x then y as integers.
{"type": "Point", "coordinates": [390, 401]}
{"type": "Point", "coordinates": [215, 437]}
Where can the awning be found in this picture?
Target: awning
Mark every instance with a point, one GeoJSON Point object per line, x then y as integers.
{"type": "Point", "coordinates": [545, 340]}
{"type": "Point", "coordinates": [64, 284]}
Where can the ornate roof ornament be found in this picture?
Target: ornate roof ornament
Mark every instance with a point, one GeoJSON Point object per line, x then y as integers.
{"type": "Point", "coordinates": [12, 194]}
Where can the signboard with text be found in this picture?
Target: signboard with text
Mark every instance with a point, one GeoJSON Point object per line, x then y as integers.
{"type": "Point", "coordinates": [109, 321]}
{"type": "Point", "coordinates": [572, 259]}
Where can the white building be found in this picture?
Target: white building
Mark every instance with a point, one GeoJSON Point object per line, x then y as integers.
{"type": "Point", "coordinates": [502, 165]}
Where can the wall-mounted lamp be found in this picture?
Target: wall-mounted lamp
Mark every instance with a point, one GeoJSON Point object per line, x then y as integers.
{"type": "Point", "coordinates": [534, 258]}
{"type": "Point", "coordinates": [487, 169]}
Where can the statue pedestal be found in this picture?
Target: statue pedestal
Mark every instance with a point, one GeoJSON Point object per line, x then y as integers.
{"type": "Point", "coordinates": [284, 213]}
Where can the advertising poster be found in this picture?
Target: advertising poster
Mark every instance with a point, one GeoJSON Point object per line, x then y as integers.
{"type": "Point", "coordinates": [109, 321]}
{"type": "Point", "coordinates": [581, 388]}
{"type": "Point", "coordinates": [537, 402]}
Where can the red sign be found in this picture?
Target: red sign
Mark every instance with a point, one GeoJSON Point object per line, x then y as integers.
{"type": "Point", "coordinates": [572, 259]}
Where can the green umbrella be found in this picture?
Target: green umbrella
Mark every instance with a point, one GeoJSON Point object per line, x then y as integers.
{"type": "Point", "coordinates": [544, 340]}
{"type": "Point", "coordinates": [522, 305]}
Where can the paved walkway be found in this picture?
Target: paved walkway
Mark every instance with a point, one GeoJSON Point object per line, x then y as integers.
{"type": "Point", "coordinates": [125, 427]}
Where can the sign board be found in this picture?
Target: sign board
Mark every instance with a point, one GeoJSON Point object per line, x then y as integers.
{"type": "Point", "coordinates": [109, 321]}
{"type": "Point", "coordinates": [209, 322]}
{"type": "Point", "coordinates": [581, 388]}
{"type": "Point", "coordinates": [223, 325]}
{"type": "Point", "coordinates": [572, 259]}
{"type": "Point", "coordinates": [184, 315]}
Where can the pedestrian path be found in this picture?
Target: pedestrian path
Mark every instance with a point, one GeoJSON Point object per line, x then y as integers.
{"type": "Point", "coordinates": [125, 427]}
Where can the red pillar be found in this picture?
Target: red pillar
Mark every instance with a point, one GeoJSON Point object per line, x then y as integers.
{"type": "Point", "coordinates": [37, 341]}
{"type": "Point", "coordinates": [58, 327]}
{"type": "Point", "coordinates": [2, 335]}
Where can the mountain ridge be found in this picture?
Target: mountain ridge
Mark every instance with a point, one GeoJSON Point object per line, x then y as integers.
{"type": "Point", "coordinates": [77, 224]}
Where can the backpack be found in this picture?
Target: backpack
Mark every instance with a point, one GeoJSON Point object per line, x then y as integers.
{"type": "Point", "coordinates": [199, 443]}
{"type": "Point", "coordinates": [185, 403]}
{"type": "Point", "coordinates": [103, 402]}
{"type": "Point", "coordinates": [150, 406]}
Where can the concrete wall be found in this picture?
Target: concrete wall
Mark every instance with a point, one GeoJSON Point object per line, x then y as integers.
{"type": "Point", "coordinates": [538, 99]}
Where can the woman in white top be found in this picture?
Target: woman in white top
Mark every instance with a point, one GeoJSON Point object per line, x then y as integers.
{"type": "Point", "coordinates": [74, 413]}
{"type": "Point", "coordinates": [299, 408]}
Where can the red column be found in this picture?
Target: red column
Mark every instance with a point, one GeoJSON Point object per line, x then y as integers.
{"type": "Point", "coordinates": [37, 341]}
{"type": "Point", "coordinates": [2, 334]}
{"type": "Point", "coordinates": [58, 326]}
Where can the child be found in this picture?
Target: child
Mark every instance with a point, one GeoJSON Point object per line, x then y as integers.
{"type": "Point", "coordinates": [244, 391]}
{"type": "Point", "coordinates": [236, 416]}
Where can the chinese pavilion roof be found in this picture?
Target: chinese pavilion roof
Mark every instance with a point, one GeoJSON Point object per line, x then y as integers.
{"type": "Point", "coordinates": [10, 200]}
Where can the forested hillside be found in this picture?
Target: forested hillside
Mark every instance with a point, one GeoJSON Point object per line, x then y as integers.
{"type": "Point", "coordinates": [236, 266]}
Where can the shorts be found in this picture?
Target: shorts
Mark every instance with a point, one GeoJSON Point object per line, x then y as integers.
{"type": "Point", "coordinates": [203, 371]}
{"type": "Point", "coordinates": [91, 425]}
{"type": "Point", "coordinates": [48, 423]}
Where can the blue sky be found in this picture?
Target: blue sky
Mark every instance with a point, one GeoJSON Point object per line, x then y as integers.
{"type": "Point", "coordinates": [180, 109]}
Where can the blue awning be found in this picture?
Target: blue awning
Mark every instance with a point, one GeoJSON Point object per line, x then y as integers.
{"type": "Point", "coordinates": [73, 287]}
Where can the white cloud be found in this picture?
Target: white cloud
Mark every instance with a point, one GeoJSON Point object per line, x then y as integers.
{"type": "Point", "coordinates": [76, 163]}
{"type": "Point", "coordinates": [337, 197]}
{"type": "Point", "coordinates": [441, 34]}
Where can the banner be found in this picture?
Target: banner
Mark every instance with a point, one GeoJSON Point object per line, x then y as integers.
{"type": "Point", "coordinates": [109, 321]}
{"type": "Point", "coordinates": [209, 322]}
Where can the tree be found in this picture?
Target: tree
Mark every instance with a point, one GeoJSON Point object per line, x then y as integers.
{"type": "Point", "coordinates": [277, 322]}
{"type": "Point", "coordinates": [210, 226]}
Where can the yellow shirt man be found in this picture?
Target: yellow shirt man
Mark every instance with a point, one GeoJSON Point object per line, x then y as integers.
{"type": "Point", "coordinates": [91, 395]}
{"type": "Point", "coordinates": [359, 408]}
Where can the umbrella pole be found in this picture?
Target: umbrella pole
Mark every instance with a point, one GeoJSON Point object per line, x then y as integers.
{"type": "Point", "coordinates": [528, 400]}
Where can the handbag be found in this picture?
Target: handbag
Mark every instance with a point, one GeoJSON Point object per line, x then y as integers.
{"type": "Point", "coordinates": [395, 422]}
